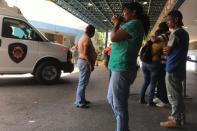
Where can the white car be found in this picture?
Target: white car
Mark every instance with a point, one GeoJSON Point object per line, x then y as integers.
{"type": "Point", "coordinates": [23, 49]}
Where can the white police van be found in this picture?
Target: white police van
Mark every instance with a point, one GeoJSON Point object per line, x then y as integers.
{"type": "Point", "coordinates": [23, 49]}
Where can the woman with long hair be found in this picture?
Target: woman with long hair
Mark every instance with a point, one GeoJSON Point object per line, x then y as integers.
{"type": "Point", "coordinates": [126, 42]}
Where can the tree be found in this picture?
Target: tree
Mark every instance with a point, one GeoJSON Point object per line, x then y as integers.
{"type": "Point", "coordinates": [99, 40]}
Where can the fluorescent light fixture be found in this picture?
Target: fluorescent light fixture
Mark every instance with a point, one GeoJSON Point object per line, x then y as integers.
{"type": "Point", "coordinates": [145, 3]}
{"type": "Point", "coordinates": [105, 20]}
{"type": "Point", "coordinates": [90, 4]}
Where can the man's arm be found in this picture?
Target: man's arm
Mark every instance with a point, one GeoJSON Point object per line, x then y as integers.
{"type": "Point", "coordinates": [172, 41]}
{"type": "Point", "coordinates": [92, 55]}
{"type": "Point", "coordinates": [89, 53]}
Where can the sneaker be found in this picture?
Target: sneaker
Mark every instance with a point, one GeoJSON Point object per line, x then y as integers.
{"type": "Point", "coordinates": [156, 100]}
{"type": "Point", "coordinates": [183, 122]}
{"type": "Point", "coordinates": [161, 104]}
{"type": "Point", "coordinates": [169, 124]}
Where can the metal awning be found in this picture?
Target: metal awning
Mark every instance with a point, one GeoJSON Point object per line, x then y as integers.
{"type": "Point", "coordinates": [99, 12]}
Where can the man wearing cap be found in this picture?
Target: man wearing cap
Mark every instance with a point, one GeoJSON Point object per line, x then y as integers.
{"type": "Point", "coordinates": [176, 52]}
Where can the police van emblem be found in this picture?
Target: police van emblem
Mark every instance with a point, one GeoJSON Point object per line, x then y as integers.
{"type": "Point", "coordinates": [17, 52]}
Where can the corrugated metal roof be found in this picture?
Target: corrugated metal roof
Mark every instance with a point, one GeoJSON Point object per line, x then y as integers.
{"type": "Point", "coordinates": [99, 12]}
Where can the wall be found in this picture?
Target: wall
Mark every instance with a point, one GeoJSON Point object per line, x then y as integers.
{"type": "Point", "coordinates": [193, 45]}
{"type": "Point", "coordinates": [69, 36]}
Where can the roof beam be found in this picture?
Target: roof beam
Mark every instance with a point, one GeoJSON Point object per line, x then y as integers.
{"type": "Point", "coordinates": [149, 7]}
{"type": "Point", "coordinates": [120, 3]}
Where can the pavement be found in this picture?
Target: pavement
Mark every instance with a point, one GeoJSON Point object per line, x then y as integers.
{"type": "Point", "coordinates": [29, 106]}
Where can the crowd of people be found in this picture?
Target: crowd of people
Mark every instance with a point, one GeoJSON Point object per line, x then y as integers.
{"type": "Point", "coordinates": [165, 72]}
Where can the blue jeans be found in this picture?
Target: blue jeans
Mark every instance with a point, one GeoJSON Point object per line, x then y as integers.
{"type": "Point", "coordinates": [109, 74]}
{"type": "Point", "coordinates": [151, 73]}
{"type": "Point", "coordinates": [84, 75]}
{"type": "Point", "coordinates": [175, 94]}
{"type": "Point", "coordinates": [118, 94]}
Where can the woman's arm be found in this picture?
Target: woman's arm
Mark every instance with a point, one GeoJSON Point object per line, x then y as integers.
{"type": "Point", "coordinates": [118, 34]}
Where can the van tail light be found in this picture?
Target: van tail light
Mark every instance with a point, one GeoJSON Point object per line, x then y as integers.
{"type": "Point", "coordinates": [64, 49]}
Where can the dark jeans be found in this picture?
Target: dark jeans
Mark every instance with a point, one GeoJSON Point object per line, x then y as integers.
{"type": "Point", "coordinates": [161, 85]}
{"type": "Point", "coordinates": [151, 73]}
{"type": "Point", "coordinates": [109, 74]}
{"type": "Point", "coordinates": [106, 58]}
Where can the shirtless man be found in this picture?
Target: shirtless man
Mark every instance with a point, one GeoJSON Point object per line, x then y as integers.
{"type": "Point", "coordinates": [86, 61]}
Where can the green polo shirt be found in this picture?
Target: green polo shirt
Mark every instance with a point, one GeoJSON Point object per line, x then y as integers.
{"type": "Point", "coordinates": [124, 53]}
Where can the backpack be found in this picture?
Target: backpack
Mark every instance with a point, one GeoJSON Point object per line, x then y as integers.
{"type": "Point", "coordinates": [146, 52]}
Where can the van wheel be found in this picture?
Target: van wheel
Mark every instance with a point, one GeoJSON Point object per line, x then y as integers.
{"type": "Point", "coordinates": [48, 73]}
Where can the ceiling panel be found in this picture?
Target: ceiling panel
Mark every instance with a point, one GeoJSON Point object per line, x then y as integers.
{"type": "Point", "coordinates": [99, 12]}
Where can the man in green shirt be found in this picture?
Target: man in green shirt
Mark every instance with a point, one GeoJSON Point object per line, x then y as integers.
{"type": "Point", "coordinates": [126, 42]}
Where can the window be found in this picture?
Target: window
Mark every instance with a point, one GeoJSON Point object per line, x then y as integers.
{"type": "Point", "coordinates": [18, 29]}
{"type": "Point", "coordinates": [50, 36]}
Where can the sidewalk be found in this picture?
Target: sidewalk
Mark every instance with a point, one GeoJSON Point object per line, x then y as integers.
{"type": "Point", "coordinates": [144, 118]}
{"type": "Point", "coordinates": [30, 106]}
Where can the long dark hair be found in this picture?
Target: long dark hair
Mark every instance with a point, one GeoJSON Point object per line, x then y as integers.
{"type": "Point", "coordinates": [163, 28]}
{"type": "Point", "coordinates": [140, 15]}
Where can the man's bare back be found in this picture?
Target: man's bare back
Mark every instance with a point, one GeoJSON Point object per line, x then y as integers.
{"type": "Point", "coordinates": [86, 50]}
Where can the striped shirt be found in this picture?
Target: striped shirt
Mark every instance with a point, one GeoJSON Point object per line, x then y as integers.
{"type": "Point", "coordinates": [163, 38]}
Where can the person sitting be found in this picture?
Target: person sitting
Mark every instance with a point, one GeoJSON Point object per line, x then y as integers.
{"type": "Point", "coordinates": [7, 31]}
